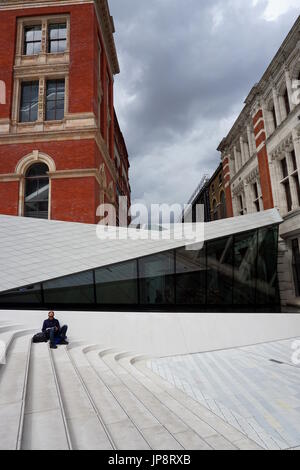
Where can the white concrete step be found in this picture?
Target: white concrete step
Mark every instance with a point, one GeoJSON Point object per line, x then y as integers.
{"type": "Point", "coordinates": [44, 421]}
{"type": "Point", "coordinates": [13, 382]}
{"type": "Point", "coordinates": [174, 419]}
{"type": "Point", "coordinates": [124, 434]}
{"type": "Point", "coordinates": [7, 336]}
{"type": "Point", "coordinates": [225, 436]}
{"type": "Point", "coordinates": [153, 431]}
{"type": "Point", "coordinates": [85, 428]}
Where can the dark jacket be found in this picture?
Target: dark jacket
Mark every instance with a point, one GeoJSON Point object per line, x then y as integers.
{"type": "Point", "coordinates": [51, 324]}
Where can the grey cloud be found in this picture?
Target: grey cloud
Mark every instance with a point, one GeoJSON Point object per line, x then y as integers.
{"type": "Point", "coordinates": [186, 66]}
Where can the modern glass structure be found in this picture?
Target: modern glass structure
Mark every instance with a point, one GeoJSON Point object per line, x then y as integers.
{"type": "Point", "coordinates": [233, 273]}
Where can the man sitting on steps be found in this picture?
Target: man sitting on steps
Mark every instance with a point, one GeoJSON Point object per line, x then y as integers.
{"type": "Point", "coordinates": [54, 332]}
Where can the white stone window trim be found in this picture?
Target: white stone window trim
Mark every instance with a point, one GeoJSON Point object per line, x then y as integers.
{"type": "Point", "coordinates": [42, 79]}
{"type": "Point", "coordinates": [44, 21]}
{"type": "Point", "coordinates": [290, 179]}
{"type": "Point", "coordinates": [22, 166]}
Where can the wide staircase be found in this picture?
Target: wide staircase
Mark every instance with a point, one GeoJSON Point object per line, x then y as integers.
{"type": "Point", "coordinates": [91, 397]}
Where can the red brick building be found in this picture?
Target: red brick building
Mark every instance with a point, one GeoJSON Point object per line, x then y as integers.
{"type": "Point", "coordinates": [61, 149]}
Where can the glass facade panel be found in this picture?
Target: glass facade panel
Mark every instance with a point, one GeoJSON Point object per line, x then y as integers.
{"type": "Point", "coordinates": [220, 271]}
{"type": "Point", "coordinates": [23, 295]}
{"type": "Point", "coordinates": [55, 100]}
{"type": "Point", "coordinates": [33, 40]}
{"type": "Point", "coordinates": [190, 277]}
{"type": "Point", "coordinates": [267, 290]}
{"type": "Point", "coordinates": [117, 284]}
{"type": "Point", "coordinates": [156, 275]}
{"type": "Point", "coordinates": [29, 101]}
{"type": "Point", "coordinates": [75, 289]}
{"type": "Point", "coordinates": [57, 38]}
{"type": "Point", "coordinates": [245, 255]}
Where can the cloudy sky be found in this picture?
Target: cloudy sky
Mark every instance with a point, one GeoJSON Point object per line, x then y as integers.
{"type": "Point", "coordinates": [186, 68]}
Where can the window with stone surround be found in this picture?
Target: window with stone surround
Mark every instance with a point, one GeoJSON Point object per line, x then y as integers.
{"type": "Point", "coordinates": [290, 181]}
{"type": "Point", "coordinates": [43, 35]}
{"type": "Point", "coordinates": [42, 100]}
{"type": "Point", "coordinates": [36, 200]}
{"type": "Point", "coordinates": [257, 196]}
{"type": "Point", "coordinates": [242, 209]}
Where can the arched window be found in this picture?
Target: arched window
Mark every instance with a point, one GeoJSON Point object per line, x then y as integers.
{"type": "Point", "coordinates": [36, 198]}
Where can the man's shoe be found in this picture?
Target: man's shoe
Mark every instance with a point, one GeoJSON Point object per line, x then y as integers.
{"type": "Point", "coordinates": [53, 346]}
{"type": "Point", "coordinates": [64, 342]}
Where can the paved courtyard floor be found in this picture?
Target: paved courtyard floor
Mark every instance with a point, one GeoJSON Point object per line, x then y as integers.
{"type": "Point", "coordinates": [256, 389]}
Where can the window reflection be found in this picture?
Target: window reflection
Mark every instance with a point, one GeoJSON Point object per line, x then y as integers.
{"type": "Point", "coordinates": [29, 101]}
{"type": "Point", "coordinates": [117, 284]}
{"type": "Point", "coordinates": [37, 191]}
{"type": "Point", "coordinates": [157, 279]}
{"type": "Point", "coordinates": [190, 276]}
{"type": "Point", "coordinates": [240, 270]}
{"type": "Point", "coordinates": [220, 271]}
{"type": "Point", "coordinates": [267, 291]}
{"type": "Point", "coordinates": [75, 289]}
{"type": "Point", "coordinates": [245, 254]}
{"type": "Point", "coordinates": [23, 295]}
{"type": "Point", "coordinates": [57, 38]}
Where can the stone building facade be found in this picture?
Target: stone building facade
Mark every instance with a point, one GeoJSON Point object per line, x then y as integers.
{"type": "Point", "coordinates": [61, 149]}
{"type": "Point", "coordinates": [261, 157]}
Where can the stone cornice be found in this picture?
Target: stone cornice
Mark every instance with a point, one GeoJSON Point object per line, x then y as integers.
{"type": "Point", "coordinates": [252, 176]}
{"type": "Point", "coordinates": [238, 189]}
{"type": "Point", "coordinates": [285, 145]}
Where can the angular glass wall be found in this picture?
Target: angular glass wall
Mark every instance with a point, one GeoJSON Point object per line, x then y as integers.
{"type": "Point", "coordinates": [190, 277]}
{"type": "Point", "coordinates": [219, 265]}
{"type": "Point", "coordinates": [236, 272]}
{"type": "Point", "coordinates": [245, 262]}
{"type": "Point", "coordinates": [75, 289]}
{"type": "Point", "coordinates": [156, 279]}
{"type": "Point", "coordinates": [117, 284]}
{"type": "Point", "coordinates": [267, 290]}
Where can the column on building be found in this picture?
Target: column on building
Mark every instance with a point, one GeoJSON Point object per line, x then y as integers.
{"type": "Point", "coordinates": [237, 158]}
{"type": "Point", "coordinates": [276, 105]}
{"type": "Point", "coordinates": [243, 155]}
{"type": "Point", "coordinates": [279, 198]}
{"type": "Point", "coordinates": [250, 141]}
{"type": "Point", "coordinates": [289, 87]}
{"type": "Point", "coordinates": [232, 166]}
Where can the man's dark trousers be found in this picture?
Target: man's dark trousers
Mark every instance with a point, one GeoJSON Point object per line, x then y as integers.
{"type": "Point", "coordinates": [60, 334]}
